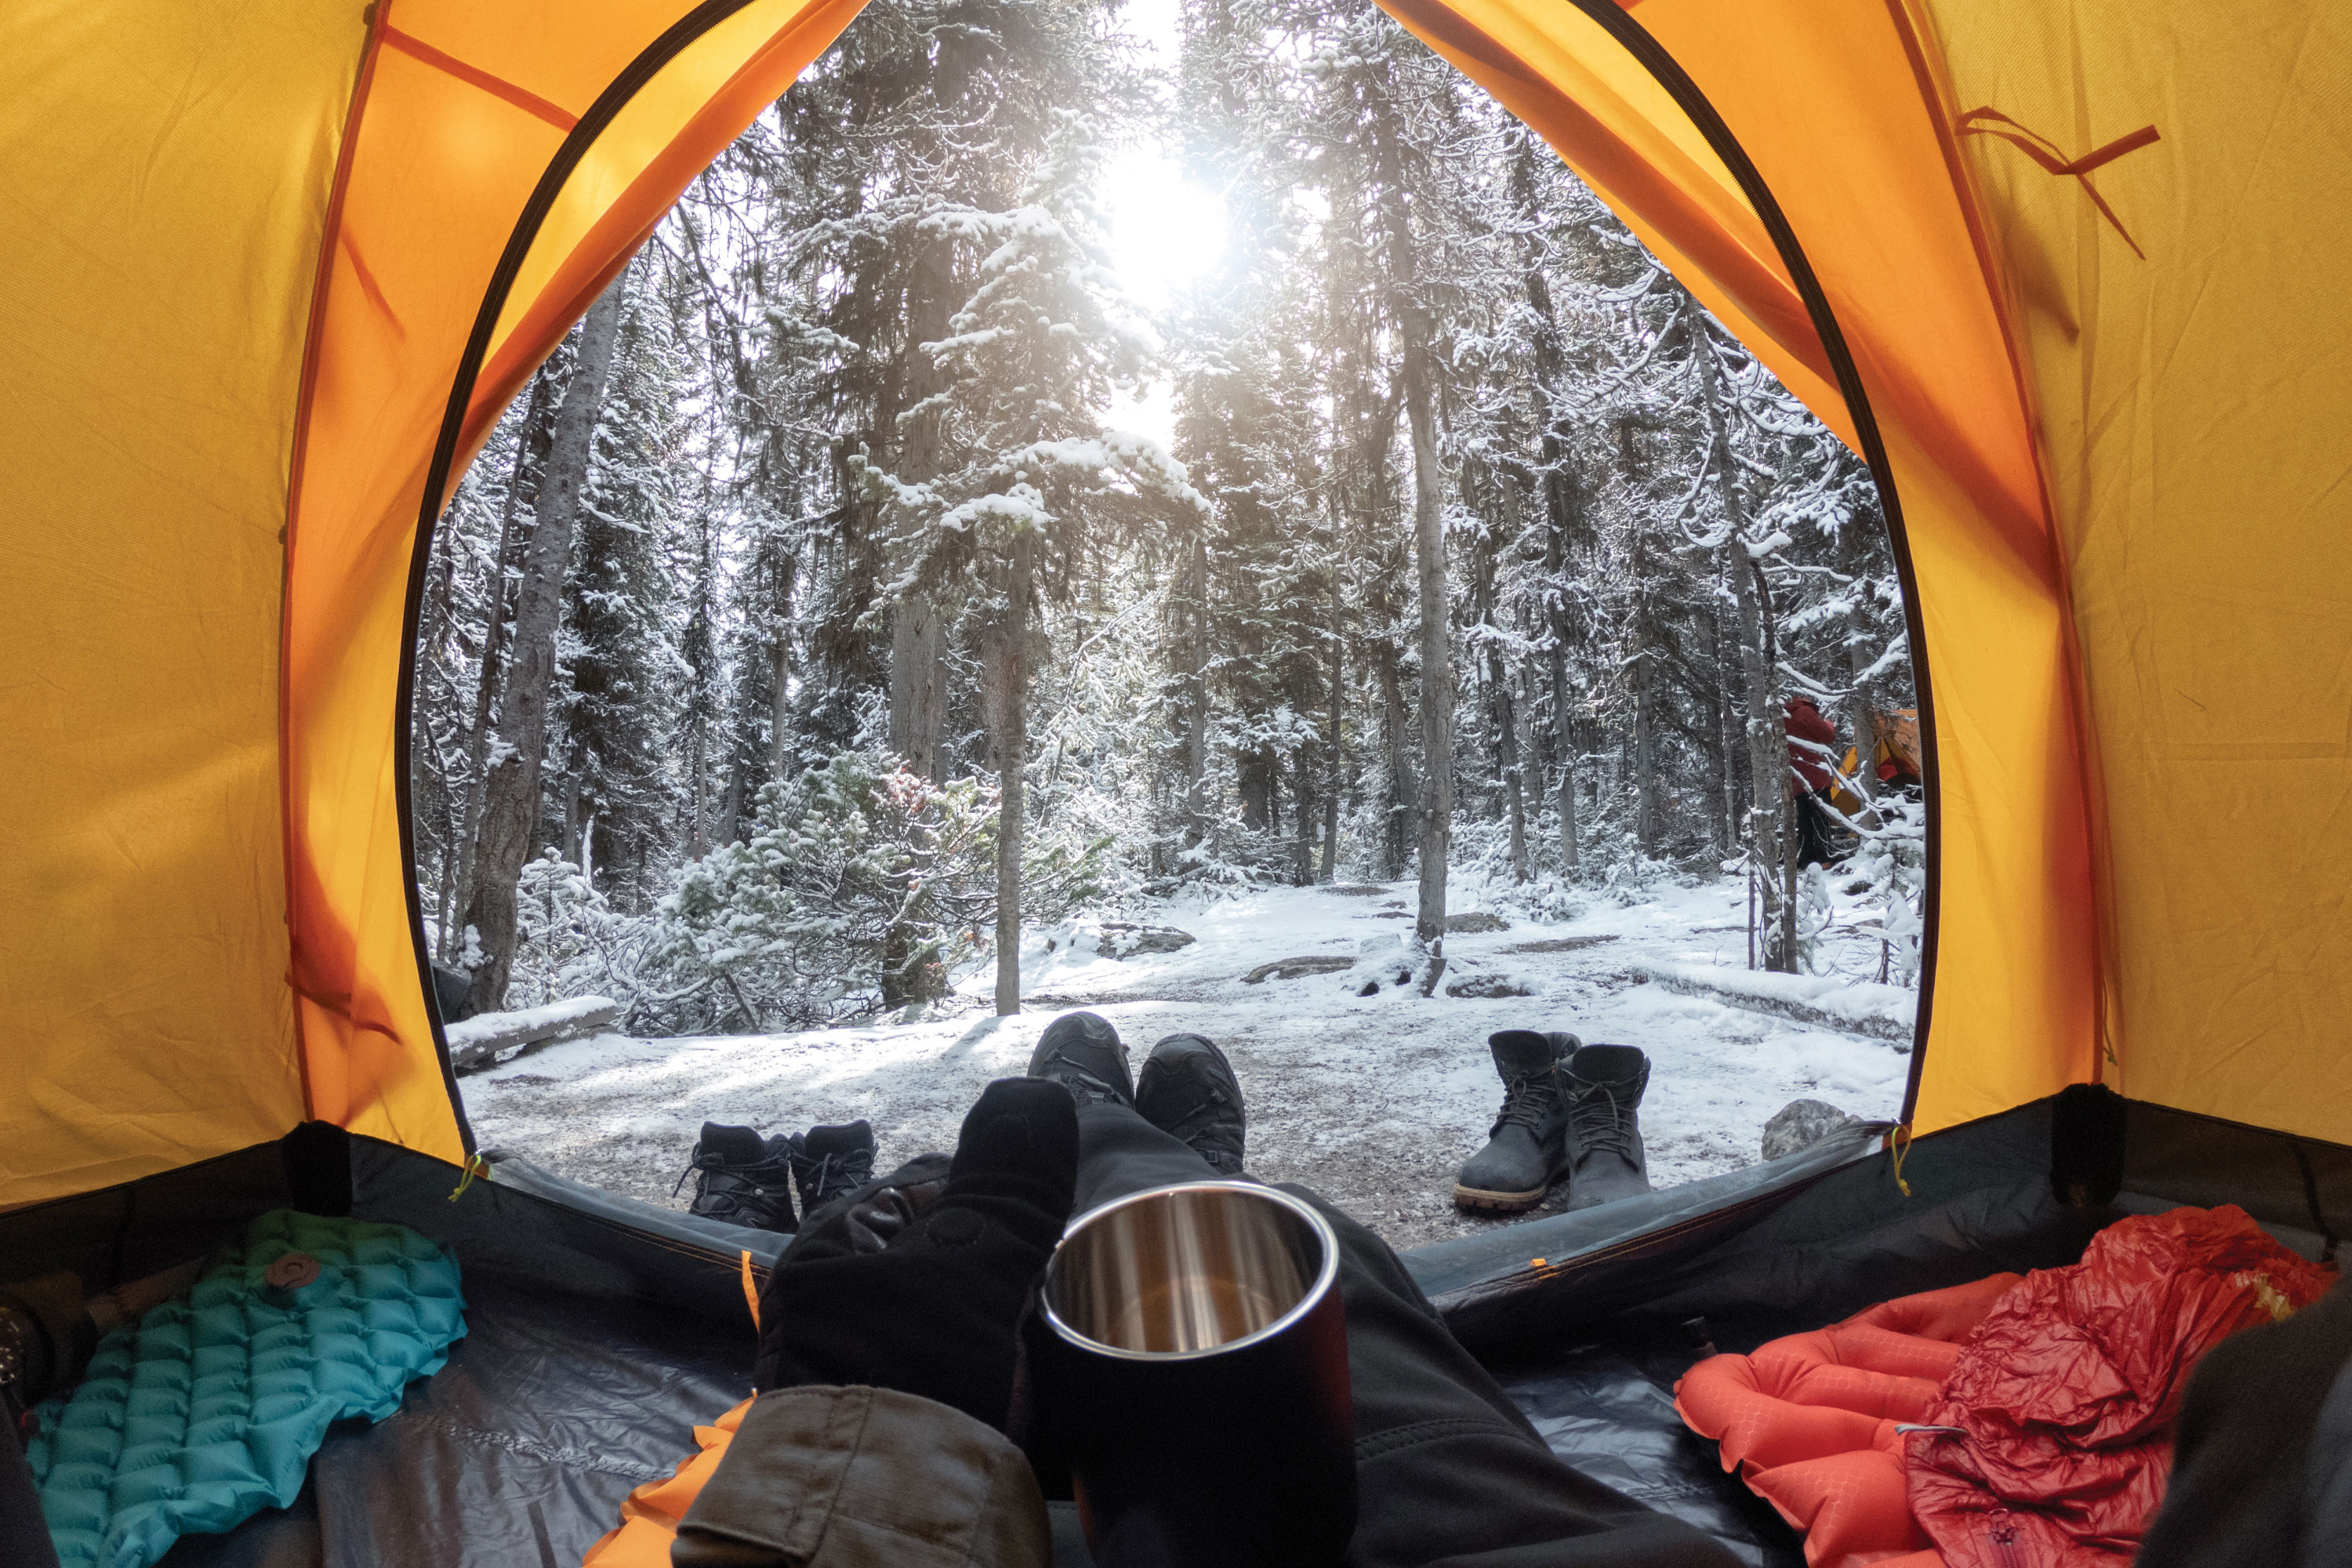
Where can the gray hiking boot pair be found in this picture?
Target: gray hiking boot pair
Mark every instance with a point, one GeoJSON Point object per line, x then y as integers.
{"type": "Point", "coordinates": [1570, 1111]}
{"type": "Point", "coordinates": [1187, 1089]}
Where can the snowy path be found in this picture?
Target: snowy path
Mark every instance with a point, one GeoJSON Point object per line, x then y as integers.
{"type": "Point", "coordinates": [1374, 1101]}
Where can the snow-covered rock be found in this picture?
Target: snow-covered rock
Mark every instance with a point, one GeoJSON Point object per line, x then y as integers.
{"type": "Point", "coordinates": [1801, 1124]}
{"type": "Point", "coordinates": [1488, 985]}
{"type": "Point", "coordinates": [1123, 938]}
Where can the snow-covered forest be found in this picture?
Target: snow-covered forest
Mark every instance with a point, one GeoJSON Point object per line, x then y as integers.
{"type": "Point", "coordinates": [882, 569]}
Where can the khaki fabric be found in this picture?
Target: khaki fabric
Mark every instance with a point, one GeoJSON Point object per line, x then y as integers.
{"type": "Point", "coordinates": [864, 1477]}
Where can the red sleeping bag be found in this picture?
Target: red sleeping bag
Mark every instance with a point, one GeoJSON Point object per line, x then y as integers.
{"type": "Point", "coordinates": [2060, 1388]}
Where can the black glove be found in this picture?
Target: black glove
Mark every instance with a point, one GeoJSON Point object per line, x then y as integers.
{"type": "Point", "coordinates": [933, 1312]}
{"type": "Point", "coordinates": [870, 1217]}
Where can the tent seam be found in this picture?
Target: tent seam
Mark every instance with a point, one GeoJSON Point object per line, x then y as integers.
{"type": "Point", "coordinates": [1939, 100]}
{"type": "Point", "coordinates": [322, 281]}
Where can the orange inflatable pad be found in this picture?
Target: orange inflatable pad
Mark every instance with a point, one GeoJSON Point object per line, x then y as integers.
{"type": "Point", "coordinates": [1808, 1421]}
{"type": "Point", "coordinates": [649, 1515]}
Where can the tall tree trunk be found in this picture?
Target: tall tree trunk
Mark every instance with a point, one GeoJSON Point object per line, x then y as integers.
{"type": "Point", "coordinates": [1860, 657]}
{"type": "Point", "coordinates": [1768, 736]}
{"type": "Point", "coordinates": [1506, 738]}
{"type": "Point", "coordinates": [431, 763]}
{"type": "Point", "coordinates": [1196, 699]}
{"type": "Point", "coordinates": [917, 682]}
{"type": "Point", "coordinates": [1338, 763]}
{"type": "Point", "coordinates": [1436, 651]}
{"type": "Point", "coordinates": [1012, 750]}
{"type": "Point", "coordinates": [1400, 808]}
{"type": "Point", "coordinates": [1302, 859]}
{"type": "Point", "coordinates": [511, 799]}
{"type": "Point", "coordinates": [780, 709]}
{"type": "Point", "coordinates": [486, 686]}
{"type": "Point", "coordinates": [1716, 776]}
{"type": "Point", "coordinates": [1645, 718]}
{"type": "Point", "coordinates": [1790, 839]}
{"type": "Point", "coordinates": [918, 693]}
{"type": "Point", "coordinates": [1563, 720]}
{"type": "Point", "coordinates": [1502, 709]}
{"type": "Point", "coordinates": [1564, 497]}
{"type": "Point", "coordinates": [1729, 728]}
{"type": "Point", "coordinates": [1436, 835]}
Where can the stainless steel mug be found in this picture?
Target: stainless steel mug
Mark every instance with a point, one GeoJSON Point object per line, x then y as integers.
{"type": "Point", "coordinates": [1197, 1377]}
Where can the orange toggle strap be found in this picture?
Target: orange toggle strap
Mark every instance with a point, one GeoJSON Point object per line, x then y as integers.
{"type": "Point", "coordinates": [750, 1291]}
{"type": "Point", "coordinates": [474, 76]}
{"type": "Point", "coordinates": [2053, 159]}
{"type": "Point", "coordinates": [1898, 1143]}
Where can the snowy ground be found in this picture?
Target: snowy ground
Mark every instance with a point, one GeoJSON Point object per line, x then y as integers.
{"type": "Point", "coordinates": [1374, 1101]}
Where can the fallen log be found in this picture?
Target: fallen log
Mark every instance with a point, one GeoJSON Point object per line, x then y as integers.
{"type": "Point", "coordinates": [1291, 968]}
{"type": "Point", "coordinates": [480, 1041]}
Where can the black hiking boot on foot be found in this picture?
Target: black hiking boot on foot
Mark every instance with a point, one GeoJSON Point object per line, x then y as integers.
{"type": "Point", "coordinates": [1602, 1085]}
{"type": "Point", "coordinates": [830, 1161]}
{"type": "Point", "coordinates": [742, 1178]}
{"type": "Point", "coordinates": [1526, 1150]}
{"type": "Point", "coordinates": [1188, 1089]}
{"type": "Point", "coordinates": [1082, 1053]}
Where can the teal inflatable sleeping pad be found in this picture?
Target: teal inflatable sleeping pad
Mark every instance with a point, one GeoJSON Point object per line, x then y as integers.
{"type": "Point", "coordinates": [208, 1410]}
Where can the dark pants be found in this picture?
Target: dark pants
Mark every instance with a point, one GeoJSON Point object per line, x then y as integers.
{"type": "Point", "coordinates": [1450, 1475]}
{"type": "Point", "coordinates": [1814, 845]}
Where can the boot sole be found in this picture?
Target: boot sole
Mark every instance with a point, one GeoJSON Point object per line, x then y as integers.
{"type": "Point", "coordinates": [1499, 1203]}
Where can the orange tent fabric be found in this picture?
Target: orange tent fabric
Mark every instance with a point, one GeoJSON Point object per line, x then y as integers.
{"type": "Point", "coordinates": [255, 256]}
{"type": "Point", "coordinates": [649, 1515]}
{"type": "Point", "coordinates": [2066, 277]}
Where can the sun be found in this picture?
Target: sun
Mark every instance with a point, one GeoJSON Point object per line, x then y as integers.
{"type": "Point", "coordinates": [1166, 230]}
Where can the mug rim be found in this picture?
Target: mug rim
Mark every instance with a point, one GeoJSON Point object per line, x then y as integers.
{"type": "Point", "coordinates": [1326, 1274]}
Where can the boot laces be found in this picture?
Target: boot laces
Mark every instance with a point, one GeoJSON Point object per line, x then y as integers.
{"type": "Point", "coordinates": [830, 1175]}
{"type": "Point", "coordinates": [1526, 1102]}
{"type": "Point", "coordinates": [1203, 1124]}
{"type": "Point", "coordinates": [1090, 1086]}
{"type": "Point", "coordinates": [1596, 1122]}
{"type": "Point", "coordinates": [772, 1171]}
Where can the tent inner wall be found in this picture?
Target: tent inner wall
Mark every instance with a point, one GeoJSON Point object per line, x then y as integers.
{"type": "Point", "coordinates": [2187, 358]}
{"type": "Point", "coordinates": [495, 242]}
{"type": "Point", "coordinates": [166, 171]}
{"type": "Point", "coordinates": [143, 888]}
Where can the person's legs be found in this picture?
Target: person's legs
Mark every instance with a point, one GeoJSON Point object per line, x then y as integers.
{"type": "Point", "coordinates": [1812, 829]}
{"type": "Point", "coordinates": [1450, 1472]}
{"type": "Point", "coordinates": [1119, 1153]}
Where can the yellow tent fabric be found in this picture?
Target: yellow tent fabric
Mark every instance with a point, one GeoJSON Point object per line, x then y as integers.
{"type": "Point", "coordinates": [244, 248]}
{"type": "Point", "coordinates": [270, 270]}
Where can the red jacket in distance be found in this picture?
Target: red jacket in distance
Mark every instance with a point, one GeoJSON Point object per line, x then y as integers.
{"type": "Point", "coordinates": [1806, 723]}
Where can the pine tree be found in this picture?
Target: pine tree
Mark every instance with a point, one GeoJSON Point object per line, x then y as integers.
{"type": "Point", "coordinates": [1033, 357]}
